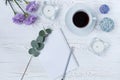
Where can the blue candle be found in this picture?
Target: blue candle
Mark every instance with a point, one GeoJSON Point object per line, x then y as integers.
{"type": "Point", "coordinates": [104, 9]}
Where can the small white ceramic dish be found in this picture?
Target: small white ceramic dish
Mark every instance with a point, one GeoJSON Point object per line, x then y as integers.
{"type": "Point", "coordinates": [49, 10]}
{"type": "Point", "coordinates": [73, 28]}
{"type": "Point", "coordinates": [99, 46]}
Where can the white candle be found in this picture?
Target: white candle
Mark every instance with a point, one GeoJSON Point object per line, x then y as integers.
{"type": "Point", "coordinates": [98, 46]}
{"type": "Point", "coordinates": [49, 11]}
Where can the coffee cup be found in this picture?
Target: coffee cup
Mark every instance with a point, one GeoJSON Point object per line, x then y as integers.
{"type": "Point", "coordinates": [80, 19]}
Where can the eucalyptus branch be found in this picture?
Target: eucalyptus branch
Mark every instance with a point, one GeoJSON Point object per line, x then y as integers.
{"type": "Point", "coordinates": [37, 46]}
{"type": "Point", "coordinates": [26, 68]}
{"type": "Point", "coordinates": [19, 6]}
{"type": "Point", "coordinates": [11, 6]}
{"type": "Point", "coordinates": [44, 29]}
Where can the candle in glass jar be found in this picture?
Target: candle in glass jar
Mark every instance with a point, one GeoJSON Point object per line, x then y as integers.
{"type": "Point", "coordinates": [98, 46]}
{"type": "Point", "coordinates": [49, 11]}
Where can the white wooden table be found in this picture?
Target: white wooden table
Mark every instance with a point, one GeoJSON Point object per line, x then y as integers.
{"type": "Point", "coordinates": [15, 42]}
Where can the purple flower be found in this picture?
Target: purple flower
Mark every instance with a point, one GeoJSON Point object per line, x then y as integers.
{"type": "Point", "coordinates": [18, 18]}
{"type": "Point", "coordinates": [30, 19]}
{"type": "Point", "coordinates": [32, 6]}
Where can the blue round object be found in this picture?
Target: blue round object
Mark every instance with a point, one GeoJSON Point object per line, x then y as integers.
{"type": "Point", "coordinates": [107, 24]}
{"type": "Point", "coordinates": [104, 9]}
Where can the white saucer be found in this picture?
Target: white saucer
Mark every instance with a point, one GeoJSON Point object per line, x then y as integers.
{"type": "Point", "coordinates": [80, 31]}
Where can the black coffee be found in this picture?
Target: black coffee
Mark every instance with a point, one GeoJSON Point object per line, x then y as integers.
{"type": "Point", "coordinates": [80, 19]}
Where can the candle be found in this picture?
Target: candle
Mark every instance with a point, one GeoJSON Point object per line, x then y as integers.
{"type": "Point", "coordinates": [49, 11]}
{"type": "Point", "coordinates": [98, 46]}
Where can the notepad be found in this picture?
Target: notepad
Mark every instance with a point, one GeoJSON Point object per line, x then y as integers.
{"type": "Point", "coordinates": [55, 54]}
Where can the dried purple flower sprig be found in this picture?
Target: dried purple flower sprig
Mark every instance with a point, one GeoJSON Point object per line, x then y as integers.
{"type": "Point", "coordinates": [25, 17]}
{"type": "Point", "coordinates": [32, 6]}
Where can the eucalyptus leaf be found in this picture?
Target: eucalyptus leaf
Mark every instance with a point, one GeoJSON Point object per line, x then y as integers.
{"type": "Point", "coordinates": [40, 39]}
{"type": "Point", "coordinates": [34, 44]}
{"type": "Point", "coordinates": [31, 50]}
{"type": "Point", "coordinates": [42, 33]}
{"type": "Point", "coordinates": [48, 31]}
{"type": "Point", "coordinates": [41, 46]}
{"type": "Point", "coordinates": [34, 52]}
{"type": "Point", "coordinates": [38, 44]}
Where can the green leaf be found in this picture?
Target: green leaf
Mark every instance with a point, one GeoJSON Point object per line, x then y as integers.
{"type": "Point", "coordinates": [31, 51]}
{"type": "Point", "coordinates": [40, 39]}
{"type": "Point", "coordinates": [42, 33]}
{"type": "Point", "coordinates": [34, 44]}
{"type": "Point", "coordinates": [34, 52]}
{"type": "Point", "coordinates": [48, 31]}
{"type": "Point", "coordinates": [41, 46]}
{"type": "Point", "coordinates": [38, 44]}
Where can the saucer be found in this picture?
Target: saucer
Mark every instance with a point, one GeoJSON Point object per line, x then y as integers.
{"type": "Point", "coordinates": [69, 19]}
